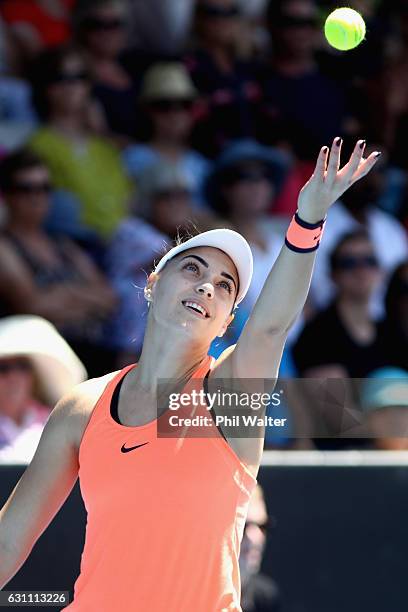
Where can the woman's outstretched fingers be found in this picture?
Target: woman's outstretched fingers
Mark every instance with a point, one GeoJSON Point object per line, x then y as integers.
{"type": "Point", "coordinates": [334, 161]}
{"type": "Point", "coordinates": [354, 162]}
{"type": "Point", "coordinates": [366, 166]}
{"type": "Point", "coordinates": [321, 163]}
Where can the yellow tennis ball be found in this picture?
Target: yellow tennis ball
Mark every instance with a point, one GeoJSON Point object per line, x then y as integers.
{"type": "Point", "coordinates": [344, 29]}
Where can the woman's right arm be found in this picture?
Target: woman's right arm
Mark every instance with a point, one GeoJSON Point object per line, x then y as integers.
{"type": "Point", "coordinates": [42, 489]}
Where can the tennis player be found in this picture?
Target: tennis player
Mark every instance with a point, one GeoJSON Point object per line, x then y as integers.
{"type": "Point", "coordinates": [165, 520]}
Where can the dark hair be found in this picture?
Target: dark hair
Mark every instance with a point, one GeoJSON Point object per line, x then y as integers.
{"type": "Point", "coordinates": [21, 160]}
{"type": "Point", "coordinates": [359, 234]}
{"type": "Point", "coordinates": [43, 71]}
{"type": "Point", "coordinates": [396, 288]}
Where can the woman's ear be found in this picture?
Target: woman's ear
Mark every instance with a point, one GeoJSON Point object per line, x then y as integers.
{"type": "Point", "coordinates": [149, 289]}
{"type": "Point", "coordinates": [225, 326]}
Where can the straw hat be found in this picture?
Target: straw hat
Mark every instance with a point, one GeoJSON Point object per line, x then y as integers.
{"type": "Point", "coordinates": [56, 366]}
{"type": "Point", "coordinates": [167, 81]}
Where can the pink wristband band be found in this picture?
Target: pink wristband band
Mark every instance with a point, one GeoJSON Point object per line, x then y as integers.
{"type": "Point", "coordinates": [303, 237]}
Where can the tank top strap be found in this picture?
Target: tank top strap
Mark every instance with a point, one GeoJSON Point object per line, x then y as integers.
{"type": "Point", "coordinates": [103, 404]}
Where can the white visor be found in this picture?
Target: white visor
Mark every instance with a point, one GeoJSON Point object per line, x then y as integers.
{"type": "Point", "coordinates": [227, 240]}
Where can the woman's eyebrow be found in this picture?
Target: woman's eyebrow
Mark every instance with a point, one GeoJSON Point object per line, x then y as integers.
{"type": "Point", "coordinates": [202, 261]}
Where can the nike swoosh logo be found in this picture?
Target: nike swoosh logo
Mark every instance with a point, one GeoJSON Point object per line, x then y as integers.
{"type": "Point", "coordinates": [126, 450]}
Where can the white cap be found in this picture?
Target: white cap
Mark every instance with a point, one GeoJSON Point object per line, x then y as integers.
{"type": "Point", "coordinates": [227, 240]}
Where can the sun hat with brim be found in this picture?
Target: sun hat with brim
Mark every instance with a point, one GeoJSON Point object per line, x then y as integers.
{"type": "Point", "coordinates": [228, 241]}
{"type": "Point", "coordinates": [56, 366]}
{"type": "Point", "coordinates": [240, 151]}
{"type": "Point", "coordinates": [385, 387]}
{"type": "Point", "coordinates": [167, 81]}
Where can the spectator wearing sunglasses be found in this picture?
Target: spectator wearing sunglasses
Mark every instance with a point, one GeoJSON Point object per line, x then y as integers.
{"type": "Point", "coordinates": [100, 27]}
{"type": "Point", "coordinates": [259, 593]}
{"type": "Point", "coordinates": [168, 98]}
{"type": "Point", "coordinates": [80, 161]}
{"type": "Point", "coordinates": [227, 82]}
{"type": "Point", "coordinates": [36, 368]}
{"type": "Point", "coordinates": [344, 341]}
{"type": "Point", "coordinates": [50, 276]}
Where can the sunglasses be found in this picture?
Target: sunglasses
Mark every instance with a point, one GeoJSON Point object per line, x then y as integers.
{"type": "Point", "coordinates": [351, 262]}
{"type": "Point", "coordinates": [96, 23]}
{"type": "Point", "coordinates": [286, 21]}
{"type": "Point", "coordinates": [218, 12]}
{"type": "Point", "coordinates": [32, 188]}
{"type": "Point", "coordinates": [16, 365]}
{"type": "Point", "coordinates": [172, 192]}
{"type": "Point", "coordinates": [166, 106]}
{"type": "Point", "coordinates": [252, 176]}
{"type": "Point", "coordinates": [69, 77]}
{"type": "Point", "coordinates": [264, 527]}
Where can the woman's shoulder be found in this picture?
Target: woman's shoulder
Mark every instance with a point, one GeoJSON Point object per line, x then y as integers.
{"type": "Point", "coordinates": [75, 408]}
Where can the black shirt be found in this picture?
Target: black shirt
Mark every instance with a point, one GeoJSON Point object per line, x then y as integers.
{"type": "Point", "coordinates": [326, 341]}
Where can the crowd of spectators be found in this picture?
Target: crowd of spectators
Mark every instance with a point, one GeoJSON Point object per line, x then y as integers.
{"type": "Point", "coordinates": [124, 124]}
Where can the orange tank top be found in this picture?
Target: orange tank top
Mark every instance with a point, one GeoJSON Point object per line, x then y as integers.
{"type": "Point", "coordinates": [164, 521]}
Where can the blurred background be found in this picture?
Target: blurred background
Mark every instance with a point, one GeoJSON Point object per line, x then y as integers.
{"type": "Point", "coordinates": [126, 123]}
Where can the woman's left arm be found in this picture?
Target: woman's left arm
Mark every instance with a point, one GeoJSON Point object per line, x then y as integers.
{"type": "Point", "coordinates": [259, 348]}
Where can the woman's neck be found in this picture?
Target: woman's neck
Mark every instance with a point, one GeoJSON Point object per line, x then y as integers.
{"type": "Point", "coordinates": [15, 411]}
{"type": "Point", "coordinates": [71, 125]}
{"type": "Point", "coordinates": [176, 359]}
{"type": "Point", "coordinates": [171, 149]}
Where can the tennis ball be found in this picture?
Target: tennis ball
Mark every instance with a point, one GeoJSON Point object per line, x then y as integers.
{"type": "Point", "coordinates": [344, 29]}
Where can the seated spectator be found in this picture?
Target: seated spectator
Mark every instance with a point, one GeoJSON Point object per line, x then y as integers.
{"type": "Point", "coordinates": [241, 190]}
{"type": "Point", "coordinates": [50, 277]}
{"type": "Point", "coordinates": [292, 77]}
{"type": "Point", "coordinates": [79, 161]}
{"type": "Point", "coordinates": [164, 208]}
{"type": "Point", "coordinates": [168, 97]}
{"type": "Point", "coordinates": [101, 30]}
{"type": "Point", "coordinates": [17, 115]}
{"type": "Point", "coordinates": [384, 399]}
{"type": "Point", "coordinates": [358, 210]}
{"type": "Point", "coordinates": [228, 83]}
{"type": "Point", "coordinates": [343, 341]}
{"type": "Point", "coordinates": [38, 24]}
{"type": "Point", "coordinates": [395, 325]}
{"type": "Point", "coordinates": [37, 368]}
{"type": "Point", "coordinates": [259, 593]}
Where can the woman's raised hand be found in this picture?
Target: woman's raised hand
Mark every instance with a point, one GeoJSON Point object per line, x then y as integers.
{"type": "Point", "coordinates": [328, 181]}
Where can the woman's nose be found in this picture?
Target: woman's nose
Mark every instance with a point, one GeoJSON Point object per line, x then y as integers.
{"type": "Point", "coordinates": [206, 289]}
